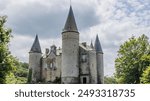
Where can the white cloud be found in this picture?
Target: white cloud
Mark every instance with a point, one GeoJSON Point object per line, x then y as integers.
{"type": "Point", "coordinates": [118, 23]}
{"type": "Point", "coordinates": [20, 46]}
{"type": "Point", "coordinates": [113, 20]}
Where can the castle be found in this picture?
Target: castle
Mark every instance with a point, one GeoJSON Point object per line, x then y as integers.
{"type": "Point", "coordinates": [75, 63]}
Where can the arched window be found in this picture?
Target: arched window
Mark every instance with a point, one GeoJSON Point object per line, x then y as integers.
{"type": "Point", "coordinates": [51, 65]}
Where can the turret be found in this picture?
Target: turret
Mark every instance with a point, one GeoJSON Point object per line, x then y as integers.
{"type": "Point", "coordinates": [70, 51]}
{"type": "Point", "coordinates": [35, 55]}
{"type": "Point", "coordinates": [99, 59]}
{"type": "Point", "coordinates": [91, 45]}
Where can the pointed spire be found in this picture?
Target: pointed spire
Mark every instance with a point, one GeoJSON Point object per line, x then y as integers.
{"type": "Point", "coordinates": [70, 23]}
{"type": "Point", "coordinates": [36, 46]}
{"type": "Point", "coordinates": [92, 45]}
{"type": "Point", "coordinates": [98, 47]}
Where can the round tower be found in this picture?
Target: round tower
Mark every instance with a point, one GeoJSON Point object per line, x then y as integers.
{"type": "Point", "coordinates": [99, 59]}
{"type": "Point", "coordinates": [35, 55]}
{"type": "Point", "coordinates": [70, 51]}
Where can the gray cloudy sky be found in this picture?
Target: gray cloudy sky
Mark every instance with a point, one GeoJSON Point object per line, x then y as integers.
{"type": "Point", "coordinates": [113, 20]}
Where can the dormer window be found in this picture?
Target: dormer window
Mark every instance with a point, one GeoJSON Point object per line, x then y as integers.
{"type": "Point", "coordinates": [84, 58]}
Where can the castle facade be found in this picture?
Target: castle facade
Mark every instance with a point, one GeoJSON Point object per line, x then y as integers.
{"type": "Point", "coordinates": [75, 63]}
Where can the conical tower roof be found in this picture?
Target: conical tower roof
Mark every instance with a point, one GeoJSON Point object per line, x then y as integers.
{"type": "Point", "coordinates": [98, 47]}
{"type": "Point", "coordinates": [70, 22]}
{"type": "Point", "coordinates": [92, 45]}
{"type": "Point", "coordinates": [36, 46]}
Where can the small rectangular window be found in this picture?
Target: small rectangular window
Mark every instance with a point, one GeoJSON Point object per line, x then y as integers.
{"type": "Point", "coordinates": [84, 80]}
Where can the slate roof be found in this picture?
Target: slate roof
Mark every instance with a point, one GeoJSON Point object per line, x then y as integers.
{"type": "Point", "coordinates": [70, 22]}
{"type": "Point", "coordinates": [92, 45]}
{"type": "Point", "coordinates": [36, 46]}
{"type": "Point", "coordinates": [97, 46]}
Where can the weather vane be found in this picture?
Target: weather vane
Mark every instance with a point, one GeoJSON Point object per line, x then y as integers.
{"type": "Point", "coordinates": [70, 2]}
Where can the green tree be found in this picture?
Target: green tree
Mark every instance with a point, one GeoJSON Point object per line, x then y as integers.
{"type": "Point", "coordinates": [110, 80]}
{"type": "Point", "coordinates": [7, 61]}
{"type": "Point", "coordinates": [24, 65]}
{"type": "Point", "coordinates": [146, 76]}
{"type": "Point", "coordinates": [132, 60]}
{"type": "Point", "coordinates": [11, 70]}
{"type": "Point", "coordinates": [19, 75]}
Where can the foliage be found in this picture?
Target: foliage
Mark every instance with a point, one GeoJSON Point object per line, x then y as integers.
{"type": "Point", "coordinates": [57, 80]}
{"type": "Point", "coordinates": [22, 70]}
{"type": "Point", "coordinates": [146, 76]}
{"type": "Point", "coordinates": [7, 61]}
{"type": "Point", "coordinates": [24, 65]}
{"type": "Point", "coordinates": [18, 76]}
{"type": "Point", "coordinates": [21, 73]}
{"type": "Point", "coordinates": [11, 70]}
{"type": "Point", "coordinates": [133, 58]}
{"type": "Point", "coordinates": [110, 80]}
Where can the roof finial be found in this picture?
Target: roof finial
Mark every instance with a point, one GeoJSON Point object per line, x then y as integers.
{"type": "Point", "coordinates": [70, 2]}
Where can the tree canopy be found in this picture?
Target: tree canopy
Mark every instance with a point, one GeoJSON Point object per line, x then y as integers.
{"type": "Point", "coordinates": [7, 61]}
{"type": "Point", "coordinates": [19, 76]}
{"type": "Point", "coordinates": [145, 79]}
{"type": "Point", "coordinates": [11, 70]}
{"type": "Point", "coordinates": [133, 58]}
{"type": "Point", "coordinates": [110, 80]}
